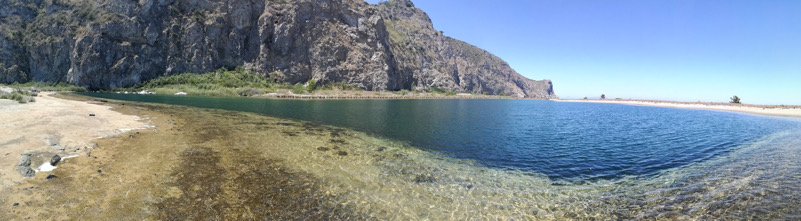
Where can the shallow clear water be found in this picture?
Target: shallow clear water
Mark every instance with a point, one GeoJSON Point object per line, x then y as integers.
{"type": "Point", "coordinates": [567, 142]}
{"type": "Point", "coordinates": [526, 159]}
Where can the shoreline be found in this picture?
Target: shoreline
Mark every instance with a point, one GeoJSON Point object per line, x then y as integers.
{"type": "Point", "coordinates": [379, 97]}
{"type": "Point", "coordinates": [236, 165]}
{"type": "Point", "coordinates": [347, 95]}
{"type": "Point", "coordinates": [770, 110]}
{"type": "Point", "coordinates": [52, 126]}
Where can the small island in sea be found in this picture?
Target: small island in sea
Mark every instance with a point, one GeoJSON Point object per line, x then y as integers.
{"type": "Point", "coordinates": [362, 110]}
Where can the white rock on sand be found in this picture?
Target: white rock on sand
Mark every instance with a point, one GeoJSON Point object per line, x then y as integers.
{"type": "Point", "coordinates": [27, 128]}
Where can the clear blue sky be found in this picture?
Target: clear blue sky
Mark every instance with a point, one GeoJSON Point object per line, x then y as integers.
{"type": "Point", "coordinates": [684, 50]}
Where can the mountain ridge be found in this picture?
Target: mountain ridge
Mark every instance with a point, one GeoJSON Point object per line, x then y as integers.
{"type": "Point", "coordinates": [106, 44]}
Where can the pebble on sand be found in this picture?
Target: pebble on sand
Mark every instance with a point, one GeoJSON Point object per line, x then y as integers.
{"type": "Point", "coordinates": [56, 158]}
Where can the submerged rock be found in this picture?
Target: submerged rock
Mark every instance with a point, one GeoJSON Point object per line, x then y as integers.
{"type": "Point", "coordinates": [56, 158]}
{"type": "Point", "coordinates": [425, 178]}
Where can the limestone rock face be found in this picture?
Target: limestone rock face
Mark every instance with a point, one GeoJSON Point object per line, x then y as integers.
{"type": "Point", "coordinates": [427, 58]}
{"type": "Point", "coordinates": [103, 44]}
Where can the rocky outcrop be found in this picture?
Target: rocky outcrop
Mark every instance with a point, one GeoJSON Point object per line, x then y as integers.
{"type": "Point", "coordinates": [24, 166]}
{"type": "Point", "coordinates": [430, 59]}
{"type": "Point", "coordinates": [111, 43]}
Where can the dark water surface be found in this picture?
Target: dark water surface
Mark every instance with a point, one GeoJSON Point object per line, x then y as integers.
{"type": "Point", "coordinates": [562, 140]}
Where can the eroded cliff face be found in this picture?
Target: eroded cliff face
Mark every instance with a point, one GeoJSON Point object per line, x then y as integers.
{"type": "Point", "coordinates": [104, 44]}
{"type": "Point", "coordinates": [434, 60]}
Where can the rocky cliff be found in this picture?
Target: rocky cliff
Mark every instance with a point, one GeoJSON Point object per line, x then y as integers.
{"type": "Point", "coordinates": [104, 44]}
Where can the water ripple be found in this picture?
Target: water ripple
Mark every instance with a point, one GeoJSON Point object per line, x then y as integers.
{"type": "Point", "coordinates": [558, 139]}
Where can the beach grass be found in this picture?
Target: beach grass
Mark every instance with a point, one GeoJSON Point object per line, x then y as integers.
{"type": "Point", "coordinates": [20, 96]}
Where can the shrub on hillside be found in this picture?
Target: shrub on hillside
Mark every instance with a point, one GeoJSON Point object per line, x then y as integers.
{"type": "Point", "coordinates": [298, 89]}
{"type": "Point", "coordinates": [311, 85]}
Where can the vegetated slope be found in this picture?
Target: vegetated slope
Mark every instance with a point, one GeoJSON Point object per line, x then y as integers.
{"type": "Point", "coordinates": [103, 44]}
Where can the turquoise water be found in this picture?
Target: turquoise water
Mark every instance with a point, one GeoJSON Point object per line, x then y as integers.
{"type": "Point", "coordinates": [545, 159]}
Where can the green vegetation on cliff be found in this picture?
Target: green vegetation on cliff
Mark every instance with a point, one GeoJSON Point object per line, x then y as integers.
{"type": "Point", "coordinates": [236, 78]}
{"type": "Point", "coordinates": [222, 82]}
{"type": "Point", "coordinates": [241, 82]}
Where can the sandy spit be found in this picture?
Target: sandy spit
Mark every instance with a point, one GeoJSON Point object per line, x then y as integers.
{"type": "Point", "coordinates": [773, 110]}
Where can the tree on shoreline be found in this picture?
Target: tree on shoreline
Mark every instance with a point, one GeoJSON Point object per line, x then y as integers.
{"type": "Point", "coordinates": [735, 100]}
{"type": "Point", "coordinates": [603, 96]}
{"type": "Point", "coordinates": [311, 85]}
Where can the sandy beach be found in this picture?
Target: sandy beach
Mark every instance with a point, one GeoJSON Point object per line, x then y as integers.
{"type": "Point", "coordinates": [53, 126]}
{"type": "Point", "coordinates": [773, 110]}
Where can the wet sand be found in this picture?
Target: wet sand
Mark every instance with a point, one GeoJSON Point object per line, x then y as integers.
{"type": "Point", "coordinates": [773, 110]}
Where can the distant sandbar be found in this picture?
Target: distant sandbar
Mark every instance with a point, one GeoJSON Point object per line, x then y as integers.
{"type": "Point", "coordinates": [773, 110]}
